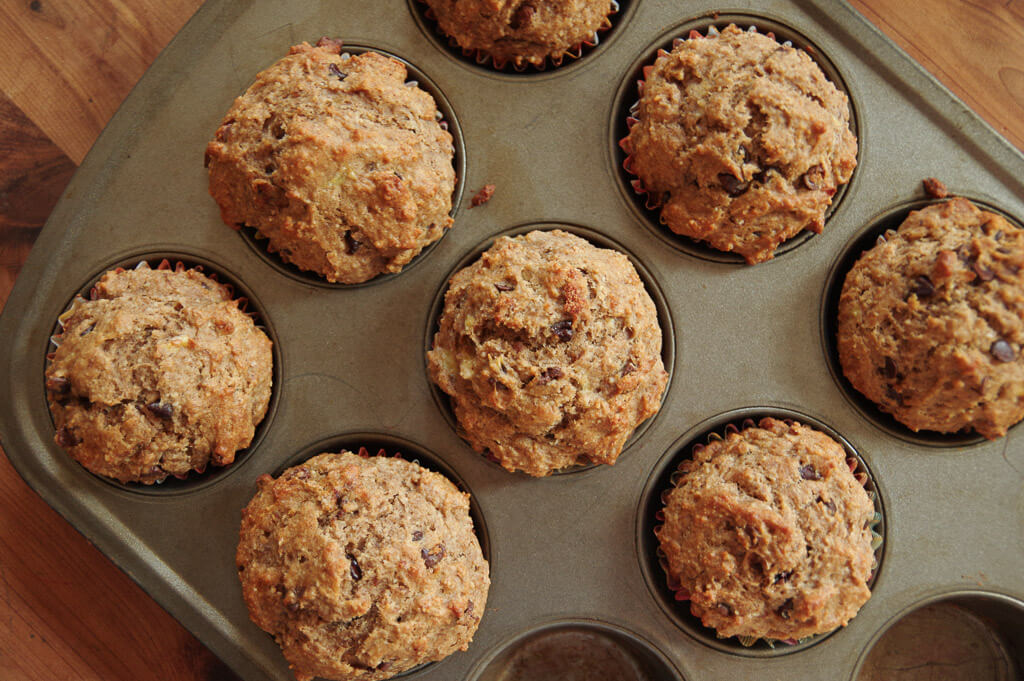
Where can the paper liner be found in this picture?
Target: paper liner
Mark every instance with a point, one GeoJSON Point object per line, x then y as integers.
{"type": "Point", "coordinates": [680, 594]}
{"type": "Point", "coordinates": [164, 265]}
{"type": "Point", "coordinates": [505, 65]}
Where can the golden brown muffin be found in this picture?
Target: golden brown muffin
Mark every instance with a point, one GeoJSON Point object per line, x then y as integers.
{"type": "Point", "coordinates": [361, 567]}
{"type": "Point", "coordinates": [521, 32]}
{"type": "Point", "coordinates": [931, 321]}
{"type": "Point", "coordinates": [742, 141]}
{"type": "Point", "coordinates": [767, 532]}
{"type": "Point", "coordinates": [159, 373]}
{"type": "Point", "coordinates": [550, 349]}
{"type": "Point", "coordinates": [339, 162]}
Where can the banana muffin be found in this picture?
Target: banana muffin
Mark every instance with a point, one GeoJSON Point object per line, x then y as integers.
{"type": "Point", "coordinates": [931, 321]}
{"type": "Point", "coordinates": [767, 533]}
{"type": "Point", "coordinates": [521, 32]}
{"type": "Point", "coordinates": [339, 162]}
{"type": "Point", "coordinates": [550, 350]}
{"type": "Point", "coordinates": [741, 141]}
{"type": "Point", "coordinates": [159, 373]}
{"type": "Point", "coordinates": [361, 567]}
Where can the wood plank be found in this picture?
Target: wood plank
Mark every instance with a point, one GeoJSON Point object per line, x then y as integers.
{"type": "Point", "coordinates": [981, 58]}
{"type": "Point", "coordinates": [64, 607]}
{"type": "Point", "coordinates": [68, 64]}
{"type": "Point", "coordinates": [33, 174]}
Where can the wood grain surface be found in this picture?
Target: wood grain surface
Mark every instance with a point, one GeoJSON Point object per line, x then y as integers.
{"type": "Point", "coordinates": [66, 612]}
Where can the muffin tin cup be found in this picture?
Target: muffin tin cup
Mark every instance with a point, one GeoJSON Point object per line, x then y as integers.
{"type": "Point", "coordinates": [448, 121]}
{"type": "Point", "coordinates": [671, 597]}
{"type": "Point", "coordinates": [971, 635]}
{"type": "Point", "coordinates": [668, 341]}
{"type": "Point", "coordinates": [568, 551]}
{"type": "Point", "coordinates": [648, 207]}
{"type": "Point", "coordinates": [195, 480]}
{"type": "Point", "coordinates": [873, 233]}
{"type": "Point", "coordinates": [480, 58]}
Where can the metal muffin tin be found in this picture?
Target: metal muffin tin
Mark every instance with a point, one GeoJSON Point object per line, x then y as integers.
{"type": "Point", "coordinates": [568, 553]}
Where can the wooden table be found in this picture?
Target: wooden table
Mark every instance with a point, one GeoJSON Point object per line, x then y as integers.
{"type": "Point", "coordinates": [65, 66]}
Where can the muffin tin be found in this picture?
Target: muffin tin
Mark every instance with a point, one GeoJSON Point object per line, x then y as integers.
{"type": "Point", "coordinates": [569, 554]}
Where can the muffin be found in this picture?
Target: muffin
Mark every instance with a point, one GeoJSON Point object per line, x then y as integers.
{"type": "Point", "coordinates": [336, 160]}
{"type": "Point", "coordinates": [741, 141]}
{"type": "Point", "coordinates": [361, 567]}
{"type": "Point", "coordinates": [931, 321]}
{"type": "Point", "coordinates": [159, 373]}
{"type": "Point", "coordinates": [767, 533]}
{"type": "Point", "coordinates": [521, 32]}
{"type": "Point", "coordinates": [550, 350]}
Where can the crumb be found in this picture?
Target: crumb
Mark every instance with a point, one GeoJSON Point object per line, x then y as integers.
{"type": "Point", "coordinates": [483, 196]}
{"type": "Point", "coordinates": [935, 189]}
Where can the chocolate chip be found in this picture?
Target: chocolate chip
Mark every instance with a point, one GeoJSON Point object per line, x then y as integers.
{"type": "Point", "coordinates": [503, 286]}
{"type": "Point", "coordinates": [417, 535]}
{"type": "Point", "coordinates": [469, 608]}
{"type": "Point", "coordinates": [1003, 351]}
{"type": "Point", "coordinates": [351, 243]}
{"type": "Point", "coordinates": [923, 287]}
{"type": "Point", "coordinates": [65, 438]}
{"type": "Point", "coordinates": [563, 330]}
{"type": "Point", "coordinates": [160, 410]}
{"type": "Point", "coordinates": [814, 178]}
{"type": "Point", "coordinates": [782, 576]}
{"type": "Point", "coordinates": [890, 370]}
{"type": "Point", "coordinates": [434, 556]}
{"type": "Point", "coordinates": [58, 385]}
{"type": "Point", "coordinates": [785, 609]}
{"type": "Point", "coordinates": [732, 185]}
{"type": "Point", "coordinates": [725, 609]}
{"type": "Point", "coordinates": [893, 395]}
{"type": "Point", "coordinates": [629, 368]}
{"type": "Point", "coordinates": [830, 505]}
{"type": "Point", "coordinates": [336, 72]}
{"type": "Point", "coordinates": [807, 472]}
{"type": "Point", "coordinates": [384, 666]}
{"type": "Point", "coordinates": [521, 17]}
{"type": "Point", "coordinates": [984, 273]}
{"type": "Point", "coordinates": [354, 570]}
{"type": "Point", "coordinates": [549, 374]}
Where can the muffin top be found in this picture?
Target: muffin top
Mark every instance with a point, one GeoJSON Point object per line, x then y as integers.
{"type": "Point", "coordinates": [159, 373]}
{"type": "Point", "coordinates": [931, 321]}
{"type": "Point", "coordinates": [337, 161]}
{"type": "Point", "coordinates": [550, 349]}
{"type": "Point", "coordinates": [361, 567]}
{"type": "Point", "coordinates": [767, 532]}
{"type": "Point", "coordinates": [741, 141]}
{"type": "Point", "coordinates": [520, 32]}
